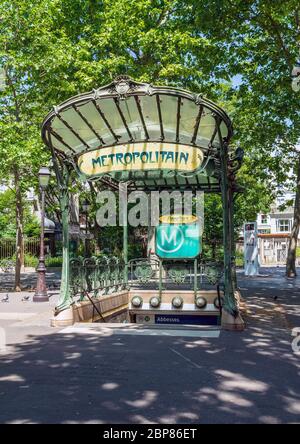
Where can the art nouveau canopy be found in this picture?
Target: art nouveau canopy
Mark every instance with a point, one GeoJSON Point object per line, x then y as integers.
{"type": "Point", "coordinates": [153, 137]}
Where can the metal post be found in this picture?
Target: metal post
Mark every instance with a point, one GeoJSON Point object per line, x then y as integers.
{"type": "Point", "coordinates": [125, 251]}
{"type": "Point", "coordinates": [65, 299]}
{"type": "Point", "coordinates": [41, 289]}
{"type": "Point", "coordinates": [195, 276]}
{"type": "Point", "coordinates": [123, 209]}
{"type": "Point", "coordinates": [233, 247]}
{"type": "Point", "coordinates": [160, 278]}
{"type": "Point", "coordinates": [62, 177]}
{"type": "Point", "coordinates": [229, 300]}
{"type": "Point", "coordinates": [86, 233]}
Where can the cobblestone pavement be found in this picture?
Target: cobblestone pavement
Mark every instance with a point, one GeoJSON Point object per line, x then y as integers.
{"type": "Point", "coordinates": [58, 376]}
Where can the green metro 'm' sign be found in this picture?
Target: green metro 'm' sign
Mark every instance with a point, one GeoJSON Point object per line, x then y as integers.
{"type": "Point", "coordinates": [178, 241]}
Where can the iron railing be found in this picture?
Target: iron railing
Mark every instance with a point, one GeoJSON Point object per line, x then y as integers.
{"type": "Point", "coordinates": [8, 247]}
{"type": "Point", "coordinates": [103, 275]}
{"type": "Point", "coordinates": [96, 276]}
{"type": "Point", "coordinates": [194, 274]}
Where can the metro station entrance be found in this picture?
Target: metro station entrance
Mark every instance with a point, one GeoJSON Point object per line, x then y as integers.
{"type": "Point", "coordinates": [135, 137]}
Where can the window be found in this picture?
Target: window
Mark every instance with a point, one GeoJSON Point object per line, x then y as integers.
{"type": "Point", "coordinates": [264, 219]}
{"type": "Point", "coordinates": [284, 225]}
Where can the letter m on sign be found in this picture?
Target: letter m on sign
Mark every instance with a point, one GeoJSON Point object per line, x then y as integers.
{"type": "Point", "coordinates": [168, 237]}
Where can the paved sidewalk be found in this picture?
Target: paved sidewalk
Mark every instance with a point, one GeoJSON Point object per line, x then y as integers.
{"type": "Point", "coordinates": [28, 280]}
{"type": "Point", "coordinates": [23, 319]}
{"type": "Point", "coordinates": [64, 376]}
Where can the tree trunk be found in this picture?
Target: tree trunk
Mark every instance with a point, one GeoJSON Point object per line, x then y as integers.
{"type": "Point", "coordinates": [291, 257]}
{"type": "Point", "coordinates": [19, 232]}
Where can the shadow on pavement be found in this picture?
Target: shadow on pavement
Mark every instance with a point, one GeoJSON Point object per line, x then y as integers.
{"type": "Point", "coordinates": [239, 378]}
{"type": "Point", "coordinates": [248, 377]}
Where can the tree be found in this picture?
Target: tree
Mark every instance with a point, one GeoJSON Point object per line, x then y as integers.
{"type": "Point", "coordinates": [8, 220]}
{"type": "Point", "coordinates": [259, 41]}
{"type": "Point", "coordinates": [55, 49]}
{"type": "Point", "coordinates": [22, 44]}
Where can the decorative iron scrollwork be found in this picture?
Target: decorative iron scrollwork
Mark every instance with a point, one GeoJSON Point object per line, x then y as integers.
{"type": "Point", "coordinates": [177, 275]}
{"type": "Point", "coordinates": [76, 279]}
{"type": "Point", "coordinates": [213, 272]}
{"type": "Point", "coordinates": [143, 273]}
{"type": "Point", "coordinates": [97, 275]}
{"type": "Point", "coordinates": [236, 159]}
{"type": "Point", "coordinates": [198, 99]}
{"type": "Point", "coordinates": [122, 85]}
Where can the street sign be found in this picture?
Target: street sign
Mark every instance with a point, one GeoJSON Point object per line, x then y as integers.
{"type": "Point", "coordinates": [187, 319]}
{"type": "Point", "coordinates": [147, 156]}
{"type": "Point", "coordinates": [180, 241]}
{"type": "Point", "coordinates": [177, 319]}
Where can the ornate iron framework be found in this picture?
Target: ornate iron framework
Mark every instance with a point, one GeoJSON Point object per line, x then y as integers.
{"type": "Point", "coordinates": [128, 112]}
{"type": "Point", "coordinates": [98, 276]}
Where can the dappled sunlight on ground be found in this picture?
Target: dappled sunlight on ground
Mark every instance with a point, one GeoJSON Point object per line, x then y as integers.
{"type": "Point", "coordinates": [83, 378]}
{"type": "Point", "coordinates": [240, 377]}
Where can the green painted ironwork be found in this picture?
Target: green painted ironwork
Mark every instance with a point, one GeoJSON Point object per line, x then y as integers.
{"type": "Point", "coordinates": [76, 277]}
{"type": "Point", "coordinates": [160, 284]}
{"type": "Point", "coordinates": [123, 190]}
{"type": "Point", "coordinates": [96, 276]}
{"type": "Point", "coordinates": [125, 252]}
{"type": "Point", "coordinates": [105, 274]}
{"type": "Point", "coordinates": [178, 275]}
{"type": "Point", "coordinates": [230, 303]}
{"type": "Point", "coordinates": [195, 276]}
{"type": "Point", "coordinates": [213, 271]}
{"type": "Point", "coordinates": [102, 275]}
{"type": "Point", "coordinates": [162, 273]}
{"type": "Point", "coordinates": [65, 297]}
{"type": "Point", "coordinates": [143, 272]}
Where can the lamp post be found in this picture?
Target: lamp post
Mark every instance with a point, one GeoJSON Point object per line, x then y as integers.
{"type": "Point", "coordinates": [86, 208]}
{"type": "Point", "coordinates": [41, 290]}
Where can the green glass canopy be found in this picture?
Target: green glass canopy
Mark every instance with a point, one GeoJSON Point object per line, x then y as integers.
{"type": "Point", "coordinates": [153, 138]}
{"type": "Point", "coordinates": [126, 114]}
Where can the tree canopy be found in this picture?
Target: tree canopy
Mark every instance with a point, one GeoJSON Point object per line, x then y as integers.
{"type": "Point", "coordinates": [239, 53]}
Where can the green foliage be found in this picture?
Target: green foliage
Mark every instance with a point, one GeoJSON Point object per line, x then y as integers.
{"type": "Point", "coordinates": [237, 53]}
{"type": "Point", "coordinates": [30, 260]}
{"type": "Point", "coordinates": [7, 214]}
{"type": "Point", "coordinates": [8, 217]}
{"type": "Point", "coordinates": [32, 226]}
{"type": "Point", "coordinates": [259, 44]}
{"type": "Point", "coordinates": [135, 250]}
{"type": "Point", "coordinates": [239, 259]}
{"type": "Point", "coordinates": [53, 262]}
{"type": "Point", "coordinates": [213, 223]}
{"type": "Point", "coordinates": [6, 265]}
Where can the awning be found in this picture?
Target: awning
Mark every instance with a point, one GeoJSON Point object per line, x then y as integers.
{"type": "Point", "coordinates": [154, 137]}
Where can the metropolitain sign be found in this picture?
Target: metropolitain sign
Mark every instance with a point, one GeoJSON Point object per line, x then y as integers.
{"type": "Point", "coordinates": [141, 157]}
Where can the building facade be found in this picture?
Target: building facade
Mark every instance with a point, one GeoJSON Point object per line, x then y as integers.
{"type": "Point", "coordinates": [274, 230]}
